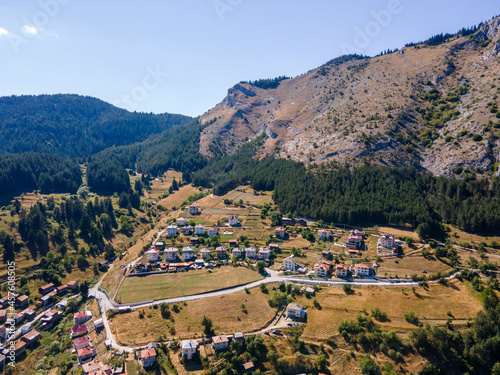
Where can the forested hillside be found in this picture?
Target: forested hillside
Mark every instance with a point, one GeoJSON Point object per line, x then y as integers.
{"type": "Point", "coordinates": [35, 171]}
{"type": "Point", "coordinates": [73, 125]}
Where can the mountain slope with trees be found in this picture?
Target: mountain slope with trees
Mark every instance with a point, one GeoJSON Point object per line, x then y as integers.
{"type": "Point", "coordinates": [73, 125]}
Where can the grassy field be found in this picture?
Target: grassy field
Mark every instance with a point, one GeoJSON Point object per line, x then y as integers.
{"type": "Point", "coordinates": [160, 286]}
{"type": "Point", "coordinates": [429, 305]}
{"type": "Point", "coordinates": [225, 312]}
{"type": "Point", "coordinates": [413, 264]}
{"type": "Point", "coordinates": [176, 199]}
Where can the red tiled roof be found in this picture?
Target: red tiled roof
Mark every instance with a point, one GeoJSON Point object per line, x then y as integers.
{"type": "Point", "coordinates": [146, 353]}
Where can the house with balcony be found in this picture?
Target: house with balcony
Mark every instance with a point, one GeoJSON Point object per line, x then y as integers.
{"type": "Point", "coordinates": [361, 269]}
{"type": "Point", "coordinates": [213, 231]}
{"type": "Point", "coordinates": [324, 234]}
{"type": "Point", "coordinates": [221, 251]}
{"type": "Point", "coordinates": [264, 253]}
{"type": "Point", "coordinates": [181, 221]}
{"type": "Point", "coordinates": [187, 252]}
{"type": "Point", "coordinates": [189, 348]}
{"type": "Point", "coordinates": [153, 255]}
{"type": "Point", "coordinates": [323, 268]}
{"type": "Point", "coordinates": [386, 241]}
{"type": "Point", "coordinates": [199, 229]}
{"type": "Point", "coordinates": [194, 209]}
{"type": "Point", "coordinates": [251, 252]}
{"type": "Point", "coordinates": [233, 221]}
{"type": "Point", "coordinates": [205, 253]}
{"type": "Point", "coordinates": [172, 230]}
{"type": "Point", "coordinates": [342, 270]}
{"type": "Point", "coordinates": [171, 254]}
{"type": "Point", "coordinates": [280, 232]}
{"type": "Point", "coordinates": [220, 342]}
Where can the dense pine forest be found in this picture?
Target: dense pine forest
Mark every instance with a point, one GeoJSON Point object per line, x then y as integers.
{"type": "Point", "coordinates": [35, 171]}
{"type": "Point", "coordinates": [73, 125]}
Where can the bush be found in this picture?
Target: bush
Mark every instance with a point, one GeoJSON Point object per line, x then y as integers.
{"type": "Point", "coordinates": [347, 288]}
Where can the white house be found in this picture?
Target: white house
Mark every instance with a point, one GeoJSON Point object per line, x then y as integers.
{"type": "Point", "coordinates": [194, 209]}
{"type": "Point", "coordinates": [152, 255]}
{"type": "Point", "coordinates": [199, 230]}
{"type": "Point", "coordinates": [324, 234]}
{"type": "Point", "coordinates": [362, 269]}
{"type": "Point", "coordinates": [386, 240]}
{"type": "Point", "coordinates": [205, 253]}
{"type": "Point", "coordinates": [172, 230]}
{"type": "Point", "coordinates": [181, 221]}
{"type": "Point", "coordinates": [289, 264]}
{"type": "Point", "coordinates": [323, 268]}
{"type": "Point", "coordinates": [280, 232]}
{"type": "Point", "coordinates": [187, 252]}
{"type": "Point", "coordinates": [221, 251]}
{"type": "Point", "coordinates": [294, 310]}
{"type": "Point", "coordinates": [251, 252]}
{"type": "Point", "coordinates": [220, 342]}
{"type": "Point", "coordinates": [341, 270]}
{"type": "Point", "coordinates": [189, 348]}
{"type": "Point", "coordinates": [233, 220]}
{"type": "Point", "coordinates": [213, 231]}
{"type": "Point", "coordinates": [264, 253]}
{"type": "Point", "coordinates": [148, 357]}
{"type": "Point", "coordinates": [237, 252]}
{"type": "Point", "coordinates": [171, 254]}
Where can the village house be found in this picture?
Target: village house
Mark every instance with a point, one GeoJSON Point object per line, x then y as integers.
{"type": "Point", "coordinates": [287, 221]}
{"type": "Point", "coordinates": [274, 247]}
{"type": "Point", "coordinates": [239, 336]}
{"type": "Point", "coordinates": [181, 221]}
{"type": "Point", "coordinates": [205, 253]}
{"type": "Point", "coordinates": [213, 231]}
{"type": "Point", "coordinates": [354, 242]}
{"type": "Point", "coordinates": [81, 342]}
{"type": "Point", "coordinates": [79, 330]}
{"type": "Point", "coordinates": [153, 255]}
{"type": "Point", "coordinates": [237, 252]}
{"type": "Point", "coordinates": [148, 357]}
{"type": "Point", "coordinates": [187, 230]}
{"type": "Point", "coordinates": [342, 270]}
{"type": "Point", "coordinates": [81, 317]}
{"type": "Point", "coordinates": [280, 232]}
{"type": "Point", "coordinates": [324, 234]}
{"type": "Point", "coordinates": [19, 318]}
{"type": "Point", "coordinates": [171, 254]}
{"type": "Point", "coordinates": [142, 267]}
{"type": "Point", "coordinates": [323, 268]}
{"type": "Point", "coordinates": [20, 348]}
{"type": "Point", "coordinates": [21, 301]}
{"type": "Point", "coordinates": [193, 241]}
{"type": "Point", "coordinates": [172, 230]}
{"type": "Point", "coordinates": [62, 289]}
{"type": "Point", "coordinates": [193, 209]}
{"type": "Point", "coordinates": [294, 310]}
{"type": "Point", "coordinates": [73, 285]}
{"type": "Point", "coordinates": [301, 221]}
{"type": "Point", "coordinates": [386, 240]}
{"type": "Point", "coordinates": [31, 338]}
{"type": "Point", "coordinates": [289, 264]}
{"type": "Point", "coordinates": [199, 229]}
{"type": "Point", "coordinates": [98, 323]}
{"type": "Point", "coordinates": [86, 353]}
{"type": "Point", "coordinates": [187, 252]}
{"type": "Point", "coordinates": [361, 269]}
{"type": "Point", "coordinates": [221, 251]}
{"type": "Point", "coordinates": [248, 367]}
{"type": "Point", "coordinates": [251, 252]}
{"type": "Point", "coordinates": [3, 316]}
{"type": "Point", "coordinates": [46, 289]}
{"type": "Point", "coordinates": [264, 253]}
{"type": "Point", "coordinates": [159, 246]}
{"type": "Point", "coordinates": [233, 243]}
{"type": "Point", "coordinates": [50, 318]}
{"type": "Point", "coordinates": [97, 368]}
{"type": "Point", "coordinates": [189, 348]}
{"type": "Point", "coordinates": [220, 342]}
{"type": "Point", "coordinates": [233, 221]}
{"type": "Point", "coordinates": [30, 312]}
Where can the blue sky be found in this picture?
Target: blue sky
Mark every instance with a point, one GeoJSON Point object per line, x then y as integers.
{"type": "Point", "coordinates": [181, 56]}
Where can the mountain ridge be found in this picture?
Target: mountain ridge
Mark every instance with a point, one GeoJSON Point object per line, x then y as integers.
{"type": "Point", "coordinates": [406, 107]}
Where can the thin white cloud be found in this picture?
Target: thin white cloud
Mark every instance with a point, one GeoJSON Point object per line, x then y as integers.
{"type": "Point", "coordinates": [3, 31]}
{"type": "Point", "coordinates": [30, 30]}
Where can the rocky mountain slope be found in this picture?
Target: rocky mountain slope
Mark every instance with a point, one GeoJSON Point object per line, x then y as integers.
{"type": "Point", "coordinates": [434, 105]}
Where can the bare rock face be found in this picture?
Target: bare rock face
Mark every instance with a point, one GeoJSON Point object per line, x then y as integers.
{"type": "Point", "coordinates": [357, 110]}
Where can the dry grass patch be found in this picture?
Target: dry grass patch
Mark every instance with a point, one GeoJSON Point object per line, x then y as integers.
{"type": "Point", "coordinates": [178, 197]}
{"type": "Point", "coordinates": [161, 286]}
{"type": "Point", "coordinates": [225, 312]}
{"type": "Point", "coordinates": [429, 305]}
{"type": "Point", "coordinates": [399, 232]}
{"type": "Point", "coordinates": [413, 264]}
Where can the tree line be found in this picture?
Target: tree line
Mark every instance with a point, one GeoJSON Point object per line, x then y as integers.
{"type": "Point", "coordinates": [35, 171]}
